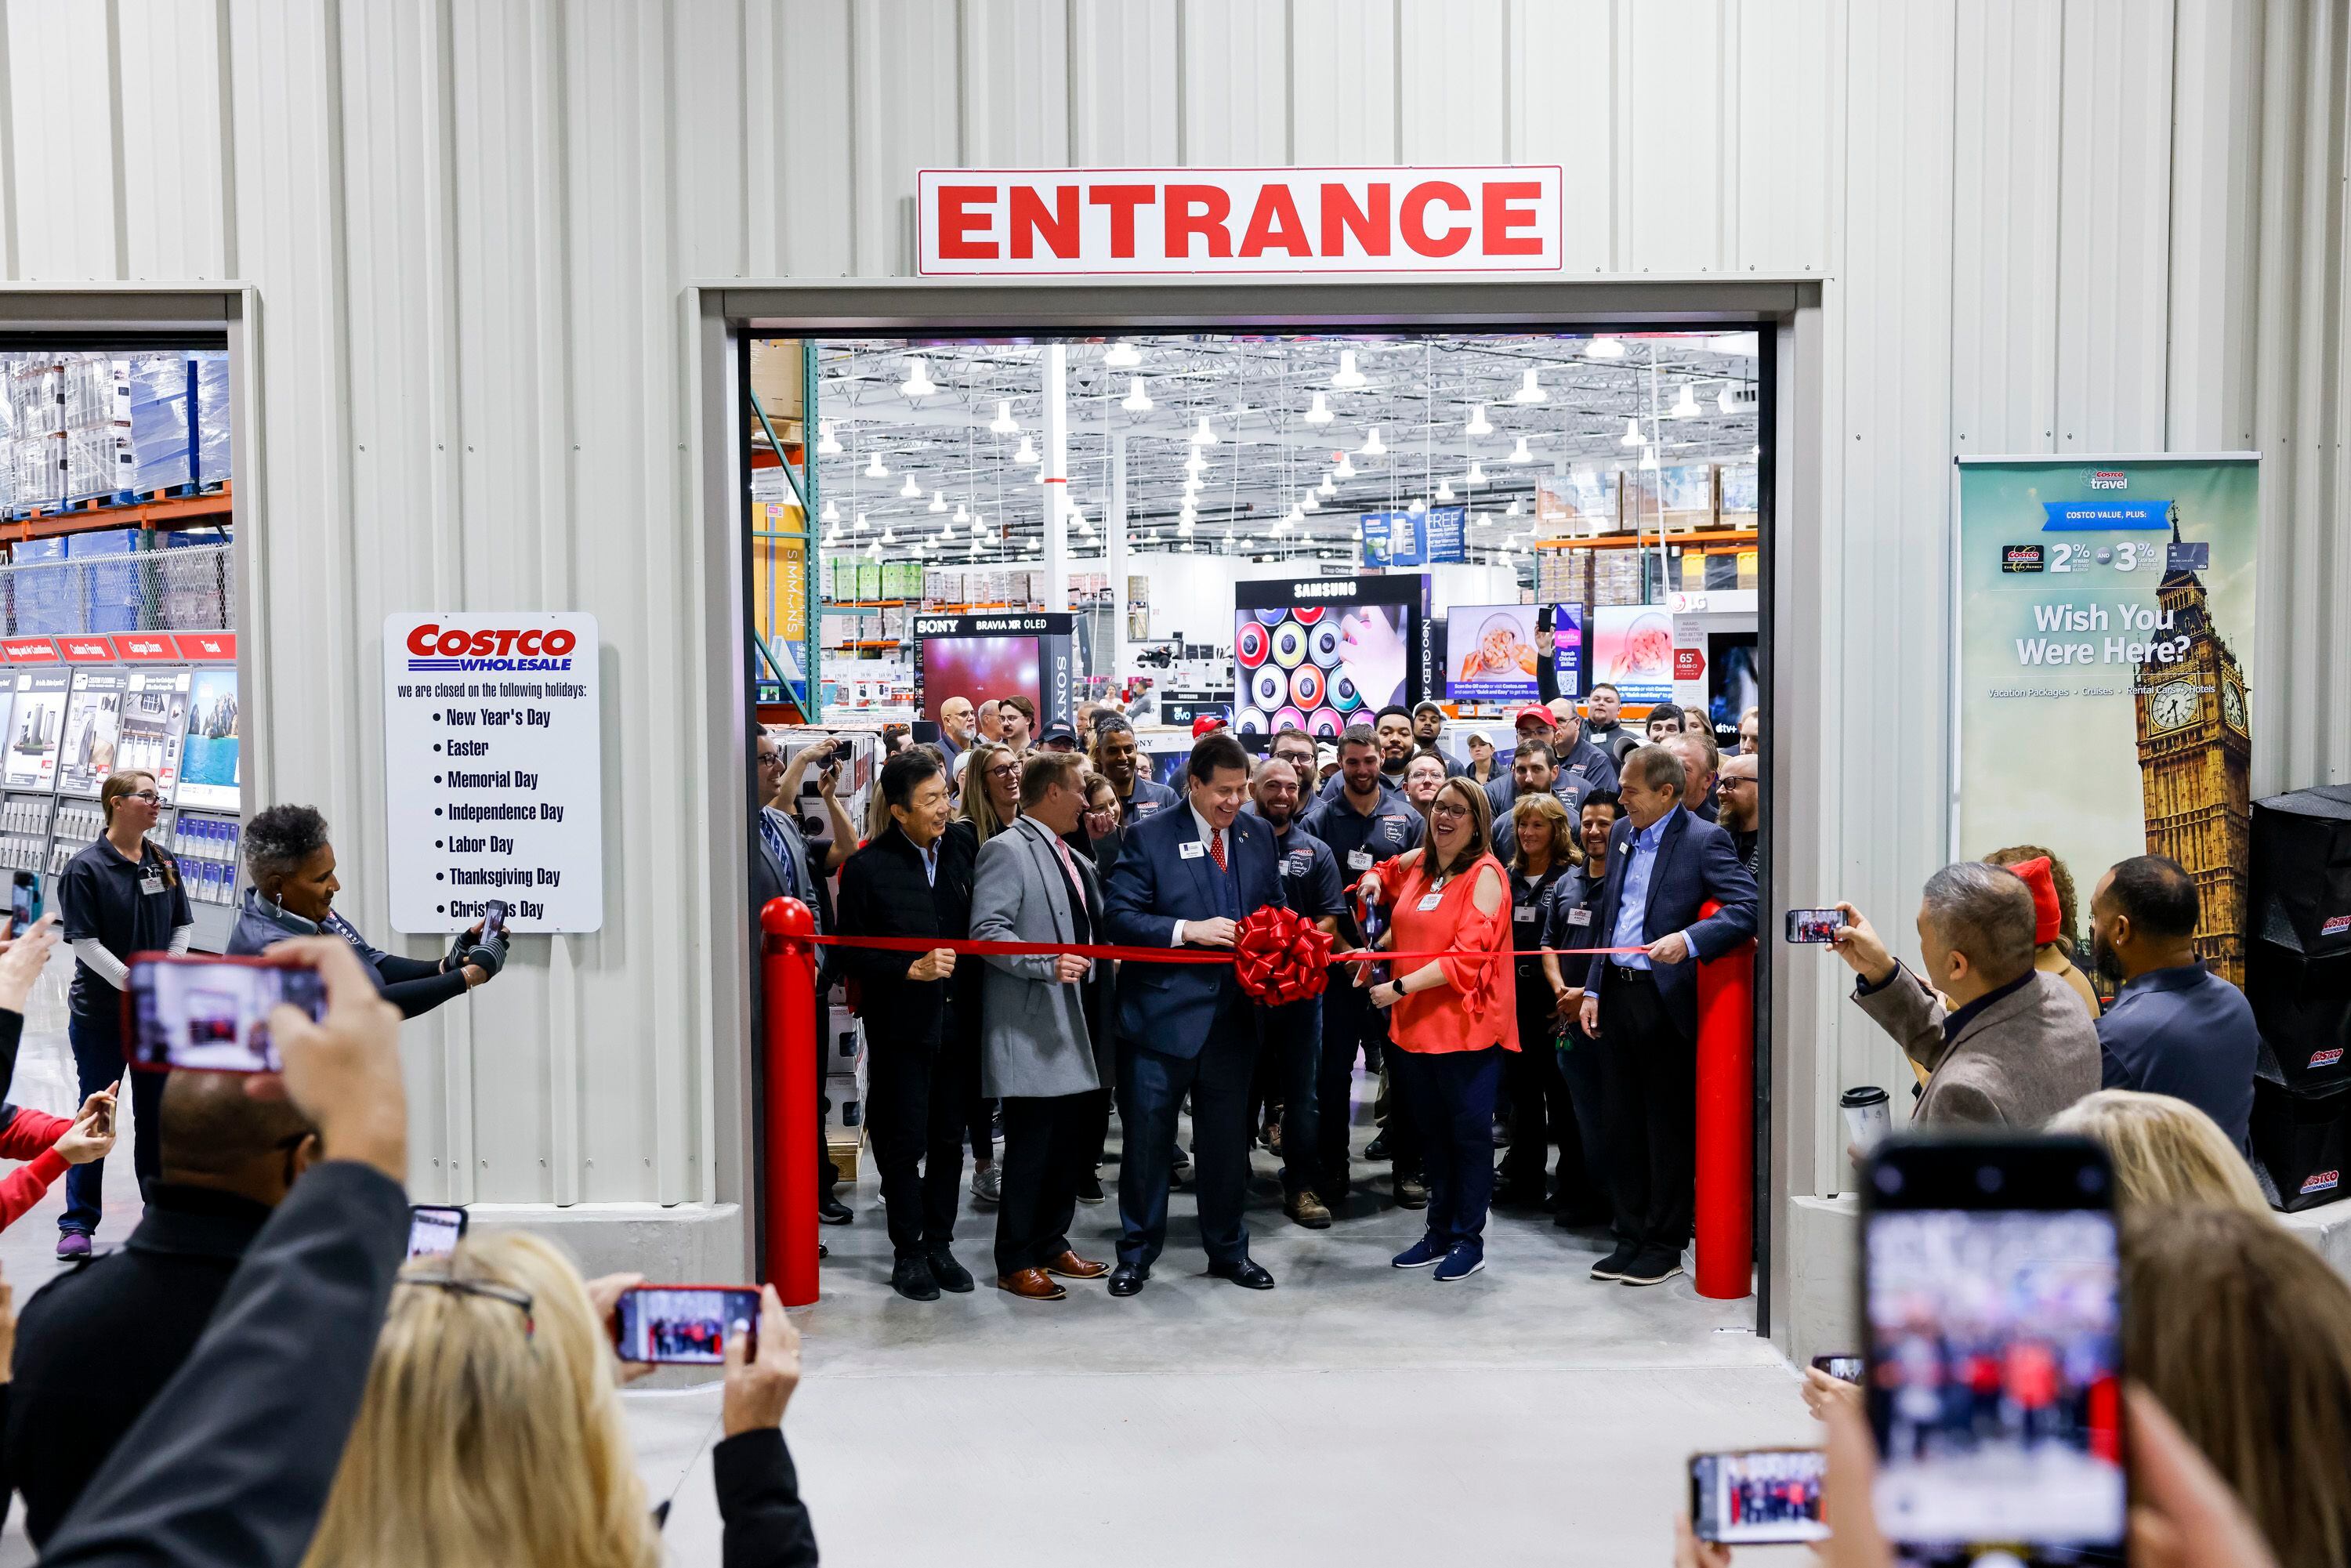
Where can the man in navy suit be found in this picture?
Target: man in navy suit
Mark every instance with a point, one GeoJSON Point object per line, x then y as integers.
{"type": "Point", "coordinates": [1642, 1007]}
{"type": "Point", "coordinates": [1187, 878]}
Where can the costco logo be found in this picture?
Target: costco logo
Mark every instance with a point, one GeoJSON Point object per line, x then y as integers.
{"type": "Point", "coordinates": [2109, 479]}
{"type": "Point", "coordinates": [489, 649]}
{"type": "Point", "coordinates": [2335, 925]}
{"type": "Point", "coordinates": [2327, 1058]}
{"type": "Point", "coordinates": [2324, 1181]}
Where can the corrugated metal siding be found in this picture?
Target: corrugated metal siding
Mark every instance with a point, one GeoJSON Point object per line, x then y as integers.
{"type": "Point", "coordinates": [470, 222]}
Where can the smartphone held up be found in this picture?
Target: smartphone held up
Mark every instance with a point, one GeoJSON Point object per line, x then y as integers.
{"type": "Point", "coordinates": [434, 1229]}
{"type": "Point", "coordinates": [1758, 1496]}
{"type": "Point", "coordinates": [1817, 926]}
{"type": "Point", "coordinates": [683, 1325]}
{"type": "Point", "coordinates": [212, 1014]}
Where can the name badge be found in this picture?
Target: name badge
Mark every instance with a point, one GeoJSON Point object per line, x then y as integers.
{"type": "Point", "coordinates": [1429, 901]}
{"type": "Point", "coordinates": [1359, 860]}
{"type": "Point", "coordinates": [1191, 849]}
{"type": "Point", "coordinates": [151, 882]}
{"type": "Point", "coordinates": [1526, 914]}
{"type": "Point", "coordinates": [1300, 863]}
{"type": "Point", "coordinates": [1579, 917]}
{"type": "Point", "coordinates": [1145, 807]}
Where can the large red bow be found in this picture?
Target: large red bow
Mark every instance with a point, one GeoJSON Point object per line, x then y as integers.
{"type": "Point", "coordinates": [1280, 956]}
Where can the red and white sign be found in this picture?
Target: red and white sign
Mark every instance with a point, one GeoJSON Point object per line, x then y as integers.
{"type": "Point", "coordinates": [144, 647]}
{"type": "Point", "coordinates": [1689, 664]}
{"type": "Point", "coordinates": [28, 651]}
{"type": "Point", "coordinates": [207, 647]}
{"type": "Point", "coordinates": [1000, 223]}
{"type": "Point", "coordinates": [86, 650]}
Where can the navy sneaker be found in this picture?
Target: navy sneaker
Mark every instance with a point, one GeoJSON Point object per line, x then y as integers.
{"type": "Point", "coordinates": [1466, 1259]}
{"type": "Point", "coordinates": [1420, 1254]}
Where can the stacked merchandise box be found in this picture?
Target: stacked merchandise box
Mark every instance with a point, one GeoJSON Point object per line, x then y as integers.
{"type": "Point", "coordinates": [1577, 504]}
{"type": "Point", "coordinates": [1617, 577]}
{"type": "Point", "coordinates": [162, 391]}
{"type": "Point", "coordinates": [37, 416]}
{"type": "Point", "coordinates": [845, 1087]}
{"type": "Point", "coordinates": [111, 588]}
{"type": "Point", "coordinates": [902, 580]}
{"type": "Point", "coordinates": [1739, 484]}
{"type": "Point", "coordinates": [101, 462]}
{"type": "Point", "coordinates": [1677, 497]}
{"type": "Point", "coordinates": [1563, 576]}
{"type": "Point", "coordinates": [212, 443]}
{"type": "Point", "coordinates": [41, 598]}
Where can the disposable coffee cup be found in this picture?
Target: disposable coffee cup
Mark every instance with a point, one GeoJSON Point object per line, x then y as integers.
{"type": "Point", "coordinates": [1866, 1116]}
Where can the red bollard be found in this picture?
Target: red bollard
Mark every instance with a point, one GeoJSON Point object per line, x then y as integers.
{"type": "Point", "coordinates": [1726, 1121]}
{"type": "Point", "coordinates": [790, 983]}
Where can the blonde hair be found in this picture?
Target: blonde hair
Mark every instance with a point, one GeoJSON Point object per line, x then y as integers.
{"type": "Point", "coordinates": [2166, 1152]}
{"type": "Point", "coordinates": [977, 809]}
{"type": "Point", "coordinates": [1565, 850]}
{"type": "Point", "coordinates": [2244, 1333]}
{"type": "Point", "coordinates": [489, 1437]}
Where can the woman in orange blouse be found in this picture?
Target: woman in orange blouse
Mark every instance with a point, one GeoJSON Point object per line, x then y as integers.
{"type": "Point", "coordinates": [1451, 1018]}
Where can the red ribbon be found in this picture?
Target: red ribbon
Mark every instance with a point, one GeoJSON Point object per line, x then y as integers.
{"type": "Point", "coordinates": [1180, 955]}
{"type": "Point", "coordinates": [1280, 956]}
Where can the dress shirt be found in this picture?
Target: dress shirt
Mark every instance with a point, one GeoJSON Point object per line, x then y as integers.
{"type": "Point", "coordinates": [1208, 834]}
{"type": "Point", "coordinates": [930, 853]}
{"type": "Point", "coordinates": [1633, 905]}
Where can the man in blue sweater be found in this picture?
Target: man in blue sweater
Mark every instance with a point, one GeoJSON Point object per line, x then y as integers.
{"type": "Point", "coordinates": [2174, 1028]}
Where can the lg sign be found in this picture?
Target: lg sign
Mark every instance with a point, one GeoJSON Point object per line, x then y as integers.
{"type": "Point", "coordinates": [1063, 220]}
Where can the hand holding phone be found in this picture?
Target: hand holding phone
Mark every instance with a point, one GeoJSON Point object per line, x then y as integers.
{"type": "Point", "coordinates": [1815, 925]}
{"type": "Point", "coordinates": [683, 1326]}
{"type": "Point", "coordinates": [25, 959]}
{"type": "Point", "coordinates": [212, 1015]}
{"type": "Point", "coordinates": [1757, 1495]}
{"type": "Point", "coordinates": [493, 920]}
{"type": "Point", "coordinates": [761, 1375]}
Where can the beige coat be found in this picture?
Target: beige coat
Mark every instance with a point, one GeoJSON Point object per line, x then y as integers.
{"type": "Point", "coordinates": [2017, 1063]}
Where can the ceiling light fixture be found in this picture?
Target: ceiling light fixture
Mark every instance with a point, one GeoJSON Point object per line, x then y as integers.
{"type": "Point", "coordinates": [1004, 424]}
{"type": "Point", "coordinates": [1183, 529]}
{"type": "Point", "coordinates": [1347, 375]}
{"type": "Point", "coordinates": [1417, 507]}
{"type": "Point", "coordinates": [888, 537]}
{"type": "Point", "coordinates": [1445, 490]}
{"type": "Point", "coordinates": [1604, 348]}
{"type": "Point", "coordinates": [1477, 474]}
{"type": "Point", "coordinates": [1520, 454]}
{"type": "Point", "coordinates": [1511, 510]}
{"type": "Point", "coordinates": [1685, 406]}
{"type": "Point", "coordinates": [1194, 463]}
{"type": "Point", "coordinates": [1648, 457]}
{"type": "Point", "coordinates": [1320, 413]}
{"type": "Point", "coordinates": [1026, 455]}
{"type": "Point", "coordinates": [1329, 486]}
{"type": "Point", "coordinates": [827, 444]}
{"type": "Point", "coordinates": [918, 383]}
{"type": "Point", "coordinates": [832, 513]}
{"type": "Point", "coordinates": [961, 515]}
{"type": "Point", "coordinates": [873, 469]}
{"type": "Point", "coordinates": [1479, 424]}
{"type": "Point", "coordinates": [1530, 389]}
{"type": "Point", "coordinates": [938, 501]}
{"type": "Point", "coordinates": [1346, 469]}
{"type": "Point", "coordinates": [1136, 400]}
{"type": "Point", "coordinates": [1122, 356]}
{"type": "Point", "coordinates": [1632, 436]}
{"type": "Point", "coordinates": [1310, 501]}
{"type": "Point", "coordinates": [947, 530]}
{"type": "Point", "coordinates": [909, 489]}
{"type": "Point", "coordinates": [1204, 436]}
{"type": "Point", "coordinates": [1372, 446]}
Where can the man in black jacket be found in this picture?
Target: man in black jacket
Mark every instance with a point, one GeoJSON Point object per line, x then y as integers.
{"type": "Point", "coordinates": [921, 1018]}
{"type": "Point", "coordinates": [95, 1345]}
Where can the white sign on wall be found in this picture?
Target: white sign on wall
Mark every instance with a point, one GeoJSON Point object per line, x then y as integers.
{"type": "Point", "coordinates": [1058, 222]}
{"type": "Point", "coordinates": [493, 781]}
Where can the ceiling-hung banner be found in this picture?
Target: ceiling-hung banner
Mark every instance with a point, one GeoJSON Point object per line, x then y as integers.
{"type": "Point", "coordinates": [2104, 701]}
{"type": "Point", "coordinates": [1031, 223]}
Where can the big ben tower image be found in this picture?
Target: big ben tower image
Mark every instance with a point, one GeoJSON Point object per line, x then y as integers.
{"type": "Point", "coordinates": [2194, 761]}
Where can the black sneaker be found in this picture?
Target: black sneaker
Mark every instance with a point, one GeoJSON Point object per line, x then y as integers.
{"type": "Point", "coordinates": [1615, 1265]}
{"type": "Point", "coordinates": [948, 1274]}
{"type": "Point", "coordinates": [1655, 1266]}
{"type": "Point", "coordinates": [912, 1278]}
{"type": "Point", "coordinates": [1090, 1189]}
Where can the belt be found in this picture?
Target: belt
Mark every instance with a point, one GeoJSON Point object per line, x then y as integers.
{"type": "Point", "coordinates": [1625, 972]}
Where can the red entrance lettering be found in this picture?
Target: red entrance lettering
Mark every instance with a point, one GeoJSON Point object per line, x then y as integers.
{"type": "Point", "coordinates": [1029, 219]}
{"type": "Point", "coordinates": [1341, 217]}
{"type": "Point", "coordinates": [1414, 217]}
{"type": "Point", "coordinates": [1274, 224]}
{"type": "Point", "coordinates": [1122, 200]}
{"type": "Point", "coordinates": [1199, 211]}
{"type": "Point", "coordinates": [958, 222]}
{"type": "Point", "coordinates": [1502, 217]}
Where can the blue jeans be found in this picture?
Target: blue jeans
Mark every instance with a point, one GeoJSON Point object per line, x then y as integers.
{"type": "Point", "coordinates": [98, 1061]}
{"type": "Point", "coordinates": [1449, 1096]}
{"type": "Point", "coordinates": [1292, 1047]}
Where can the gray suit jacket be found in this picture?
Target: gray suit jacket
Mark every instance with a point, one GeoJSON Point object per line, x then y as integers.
{"type": "Point", "coordinates": [2017, 1063]}
{"type": "Point", "coordinates": [1033, 1038]}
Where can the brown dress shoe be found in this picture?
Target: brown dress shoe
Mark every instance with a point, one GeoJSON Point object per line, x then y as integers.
{"type": "Point", "coordinates": [1070, 1266]}
{"type": "Point", "coordinates": [1030, 1285]}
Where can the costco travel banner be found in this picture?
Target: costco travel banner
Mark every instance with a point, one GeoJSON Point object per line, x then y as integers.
{"type": "Point", "coordinates": [2104, 673]}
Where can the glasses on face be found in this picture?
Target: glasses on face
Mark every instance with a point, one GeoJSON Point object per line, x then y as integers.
{"type": "Point", "coordinates": [488, 1290]}
{"type": "Point", "coordinates": [1005, 771]}
{"type": "Point", "coordinates": [149, 796]}
{"type": "Point", "coordinates": [1448, 808]}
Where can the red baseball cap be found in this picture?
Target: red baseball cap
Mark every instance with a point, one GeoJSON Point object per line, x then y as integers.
{"type": "Point", "coordinates": [1537, 712]}
{"type": "Point", "coordinates": [1207, 723]}
{"type": "Point", "coordinates": [2047, 912]}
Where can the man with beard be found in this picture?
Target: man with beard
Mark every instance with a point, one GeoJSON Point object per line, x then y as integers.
{"type": "Point", "coordinates": [1739, 797]}
{"type": "Point", "coordinates": [1118, 757]}
{"type": "Point", "coordinates": [1427, 724]}
{"type": "Point", "coordinates": [1605, 731]}
{"type": "Point", "coordinates": [2174, 1028]}
{"type": "Point", "coordinates": [1290, 1036]}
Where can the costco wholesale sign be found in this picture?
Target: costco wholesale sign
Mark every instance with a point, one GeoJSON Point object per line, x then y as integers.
{"type": "Point", "coordinates": [1032, 222]}
{"type": "Point", "coordinates": [493, 782]}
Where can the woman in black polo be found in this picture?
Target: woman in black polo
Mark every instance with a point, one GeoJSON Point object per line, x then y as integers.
{"type": "Point", "coordinates": [121, 895]}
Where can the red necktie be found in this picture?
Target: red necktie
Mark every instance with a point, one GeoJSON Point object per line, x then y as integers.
{"type": "Point", "coordinates": [1217, 846]}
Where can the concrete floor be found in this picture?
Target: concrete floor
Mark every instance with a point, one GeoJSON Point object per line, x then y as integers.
{"type": "Point", "coordinates": [1355, 1415]}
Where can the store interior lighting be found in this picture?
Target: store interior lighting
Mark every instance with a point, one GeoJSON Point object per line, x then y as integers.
{"type": "Point", "coordinates": [1479, 424]}
{"type": "Point", "coordinates": [1685, 406]}
{"type": "Point", "coordinates": [1318, 413]}
{"type": "Point", "coordinates": [827, 444]}
{"type": "Point", "coordinates": [918, 381]}
{"type": "Point", "coordinates": [1520, 454]}
{"type": "Point", "coordinates": [1347, 376]}
{"type": "Point", "coordinates": [1004, 424]}
{"type": "Point", "coordinates": [909, 489]}
{"type": "Point", "coordinates": [1604, 348]}
{"type": "Point", "coordinates": [1122, 356]}
{"type": "Point", "coordinates": [1136, 400]}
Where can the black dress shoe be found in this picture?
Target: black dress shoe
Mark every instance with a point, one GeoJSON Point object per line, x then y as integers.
{"type": "Point", "coordinates": [911, 1277]}
{"type": "Point", "coordinates": [950, 1274]}
{"type": "Point", "coordinates": [833, 1211]}
{"type": "Point", "coordinates": [1248, 1274]}
{"type": "Point", "coordinates": [1127, 1279]}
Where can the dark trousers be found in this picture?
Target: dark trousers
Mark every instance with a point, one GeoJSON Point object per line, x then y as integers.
{"type": "Point", "coordinates": [1289, 1053]}
{"type": "Point", "coordinates": [1586, 1176]}
{"type": "Point", "coordinates": [1350, 1024]}
{"type": "Point", "coordinates": [1049, 1147]}
{"type": "Point", "coordinates": [1150, 1087]}
{"type": "Point", "coordinates": [915, 1093]}
{"type": "Point", "coordinates": [1648, 1097]}
{"type": "Point", "coordinates": [1449, 1096]}
{"type": "Point", "coordinates": [98, 1061]}
{"type": "Point", "coordinates": [1539, 1111]}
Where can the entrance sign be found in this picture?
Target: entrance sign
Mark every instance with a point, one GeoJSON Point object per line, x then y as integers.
{"type": "Point", "coordinates": [493, 770]}
{"type": "Point", "coordinates": [1063, 222]}
{"type": "Point", "coordinates": [2106, 626]}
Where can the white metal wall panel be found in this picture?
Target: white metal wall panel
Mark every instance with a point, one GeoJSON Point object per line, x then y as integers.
{"type": "Point", "coordinates": [470, 228]}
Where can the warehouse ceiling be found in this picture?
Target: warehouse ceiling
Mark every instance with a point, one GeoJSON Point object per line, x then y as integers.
{"type": "Point", "coordinates": [1293, 461]}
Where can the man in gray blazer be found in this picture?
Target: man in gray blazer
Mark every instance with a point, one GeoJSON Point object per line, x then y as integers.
{"type": "Point", "coordinates": [2003, 1043]}
{"type": "Point", "coordinates": [1036, 1052]}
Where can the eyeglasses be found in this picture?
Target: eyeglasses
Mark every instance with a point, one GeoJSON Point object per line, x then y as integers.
{"type": "Point", "coordinates": [1448, 808]}
{"type": "Point", "coordinates": [519, 1300]}
{"type": "Point", "coordinates": [149, 796]}
{"type": "Point", "coordinates": [1005, 771]}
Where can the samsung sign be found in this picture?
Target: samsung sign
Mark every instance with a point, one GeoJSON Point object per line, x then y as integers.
{"type": "Point", "coordinates": [1093, 221]}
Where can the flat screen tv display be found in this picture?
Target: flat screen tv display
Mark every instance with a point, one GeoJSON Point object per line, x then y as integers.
{"type": "Point", "coordinates": [980, 668]}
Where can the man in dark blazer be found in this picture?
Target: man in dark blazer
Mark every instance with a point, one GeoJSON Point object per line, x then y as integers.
{"type": "Point", "coordinates": [921, 1016]}
{"type": "Point", "coordinates": [1188, 876]}
{"type": "Point", "coordinates": [1642, 1007]}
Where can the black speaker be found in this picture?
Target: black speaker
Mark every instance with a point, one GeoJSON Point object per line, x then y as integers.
{"type": "Point", "coordinates": [2298, 935]}
{"type": "Point", "coordinates": [2303, 1140]}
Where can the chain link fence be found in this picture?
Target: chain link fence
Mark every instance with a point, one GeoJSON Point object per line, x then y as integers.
{"type": "Point", "coordinates": [116, 588]}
